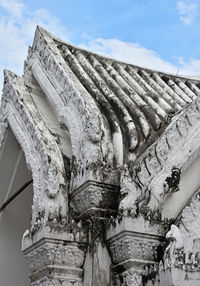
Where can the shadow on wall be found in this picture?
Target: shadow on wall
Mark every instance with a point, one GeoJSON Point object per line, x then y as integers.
{"type": "Point", "coordinates": [16, 216]}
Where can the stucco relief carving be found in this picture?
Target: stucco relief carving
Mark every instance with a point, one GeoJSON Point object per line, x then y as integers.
{"type": "Point", "coordinates": [98, 155]}
{"type": "Point", "coordinates": [90, 124]}
{"type": "Point", "coordinates": [158, 172]}
{"type": "Point", "coordinates": [129, 247]}
{"type": "Point", "coordinates": [188, 261]}
{"type": "Point", "coordinates": [189, 229]}
{"type": "Point", "coordinates": [143, 191]}
{"type": "Point", "coordinates": [189, 224]}
{"type": "Point", "coordinates": [94, 195]}
{"type": "Point", "coordinates": [54, 254]}
{"type": "Point", "coordinates": [129, 278]}
{"type": "Point", "coordinates": [43, 156]}
{"type": "Point", "coordinates": [87, 199]}
{"type": "Point", "coordinates": [128, 194]}
{"type": "Point", "coordinates": [175, 243]}
{"type": "Point", "coordinates": [183, 250]}
{"type": "Point", "coordinates": [171, 184]}
{"type": "Point", "coordinates": [50, 257]}
{"type": "Point", "coordinates": [56, 282]}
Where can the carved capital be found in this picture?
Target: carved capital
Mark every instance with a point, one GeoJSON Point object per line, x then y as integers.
{"type": "Point", "coordinates": [55, 262]}
{"type": "Point", "coordinates": [131, 249]}
{"type": "Point", "coordinates": [94, 197]}
{"type": "Point", "coordinates": [135, 245]}
{"type": "Point", "coordinates": [129, 278]}
{"type": "Point", "coordinates": [56, 282]}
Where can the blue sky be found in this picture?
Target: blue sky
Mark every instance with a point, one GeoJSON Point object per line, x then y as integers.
{"type": "Point", "coordinates": [162, 35]}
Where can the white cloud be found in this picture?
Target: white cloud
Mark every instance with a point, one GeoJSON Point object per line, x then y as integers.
{"type": "Point", "coordinates": [190, 68]}
{"type": "Point", "coordinates": [138, 55]}
{"type": "Point", "coordinates": [17, 29]}
{"type": "Point", "coordinates": [187, 11]}
{"type": "Point", "coordinates": [14, 8]}
{"type": "Point", "coordinates": [129, 52]}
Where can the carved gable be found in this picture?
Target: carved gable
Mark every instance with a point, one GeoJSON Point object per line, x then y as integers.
{"type": "Point", "coordinates": [113, 151]}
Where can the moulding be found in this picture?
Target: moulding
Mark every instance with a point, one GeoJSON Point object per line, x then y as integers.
{"type": "Point", "coordinates": [55, 259]}
{"type": "Point", "coordinates": [94, 197]}
{"type": "Point", "coordinates": [135, 245]}
{"type": "Point", "coordinates": [144, 186]}
{"type": "Point", "coordinates": [42, 153]}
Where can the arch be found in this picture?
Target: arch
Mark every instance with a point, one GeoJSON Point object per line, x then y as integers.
{"type": "Point", "coordinates": [149, 192]}
{"type": "Point", "coordinates": [183, 143]}
{"type": "Point", "coordinates": [73, 105]}
{"type": "Point", "coordinates": [42, 153]}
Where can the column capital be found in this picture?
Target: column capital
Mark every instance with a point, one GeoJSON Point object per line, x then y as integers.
{"type": "Point", "coordinates": [136, 246]}
{"type": "Point", "coordinates": [55, 260]}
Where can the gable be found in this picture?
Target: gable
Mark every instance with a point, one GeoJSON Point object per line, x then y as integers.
{"type": "Point", "coordinates": [136, 104]}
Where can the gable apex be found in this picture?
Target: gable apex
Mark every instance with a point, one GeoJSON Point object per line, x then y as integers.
{"type": "Point", "coordinates": [136, 104]}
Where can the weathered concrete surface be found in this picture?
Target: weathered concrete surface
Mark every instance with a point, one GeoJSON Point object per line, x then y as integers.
{"type": "Point", "coordinates": [114, 154]}
{"type": "Point", "coordinates": [97, 267]}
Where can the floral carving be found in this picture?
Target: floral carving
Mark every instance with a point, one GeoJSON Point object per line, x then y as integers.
{"type": "Point", "coordinates": [42, 153]}
{"type": "Point", "coordinates": [94, 195]}
{"type": "Point", "coordinates": [148, 176]}
{"type": "Point", "coordinates": [56, 253]}
{"type": "Point", "coordinates": [96, 150]}
{"type": "Point", "coordinates": [129, 278]}
{"type": "Point", "coordinates": [133, 248]}
{"type": "Point", "coordinates": [56, 282]}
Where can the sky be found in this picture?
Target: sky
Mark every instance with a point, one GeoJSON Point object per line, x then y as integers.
{"type": "Point", "coordinates": [162, 35]}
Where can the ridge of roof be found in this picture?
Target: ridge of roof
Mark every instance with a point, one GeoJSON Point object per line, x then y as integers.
{"type": "Point", "coordinates": [135, 102]}
{"type": "Point", "coordinates": [55, 38]}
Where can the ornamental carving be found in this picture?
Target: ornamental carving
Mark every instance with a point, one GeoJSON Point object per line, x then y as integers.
{"type": "Point", "coordinates": [86, 199]}
{"type": "Point", "coordinates": [171, 184]}
{"type": "Point", "coordinates": [128, 194]}
{"type": "Point", "coordinates": [175, 243]}
{"type": "Point", "coordinates": [183, 250]}
{"type": "Point", "coordinates": [90, 121]}
{"type": "Point", "coordinates": [56, 282]}
{"type": "Point", "coordinates": [147, 179]}
{"type": "Point", "coordinates": [134, 248]}
{"type": "Point", "coordinates": [93, 195]}
{"type": "Point", "coordinates": [129, 278]}
{"type": "Point", "coordinates": [42, 153]}
{"type": "Point", "coordinates": [105, 148]}
{"type": "Point", "coordinates": [56, 253]}
{"type": "Point", "coordinates": [188, 261]}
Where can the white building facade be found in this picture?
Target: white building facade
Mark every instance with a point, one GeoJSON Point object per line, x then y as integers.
{"type": "Point", "coordinates": [99, 172]}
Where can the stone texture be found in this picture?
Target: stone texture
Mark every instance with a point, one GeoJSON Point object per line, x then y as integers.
{"type": "Point", "coordinates": [94, 197]}
{"type": "Point", "coordinates": [55, 260]}
{"type": "Point", "coordinates": [99, 208]}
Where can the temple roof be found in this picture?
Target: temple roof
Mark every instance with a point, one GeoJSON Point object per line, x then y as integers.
{"type": "Point", "coordinates": [138, 101]}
